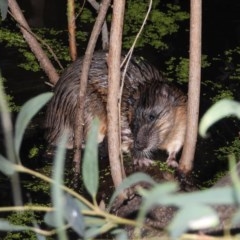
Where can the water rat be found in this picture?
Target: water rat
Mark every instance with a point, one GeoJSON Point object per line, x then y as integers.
{"type": "Point", "coordinates": [61, 111]}
{"type": "Point", "coordinates": [144, 95]}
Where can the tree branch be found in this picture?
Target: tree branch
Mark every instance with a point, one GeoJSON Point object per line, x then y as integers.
{"type": "Point", "coordinates": [186, 161]}
{"type": "Point", "coordinates": [114, 75]}
{"type": "Point", "coordinates": [35, 47]}
{"type": "Point", "coordinates": [105, 37]}
{"type": "Point", "coordinates": [83, 85]}
{"type": "Point", "coordinates": [72, 29]}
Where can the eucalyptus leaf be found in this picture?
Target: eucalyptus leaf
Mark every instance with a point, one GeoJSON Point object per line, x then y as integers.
{"type": "Point", "coordinates": [221, 109]}
{"type": "Point", "coordinates": [9, 227]}
{"type": "Point", "coordinates": [29, 109]}
{"type": "Point", "coordinates": [90, 169]}
{"type": "Point", "coordinates": [58, 198]}
{"type": "Point", "coordinates": [234, 177]}
{"type": "Point", "coordinates": [6, 166]}
{"type": "Point", "coordinates": [4, 8]}
{"type": "Point", "coordinates": [39, 237]}
{"type": "Point", "coordinates": [236, 218]}
{"type": "Point", "coordinates": [49, 219]}
{"type": "Point", "coordinates": [192, 217]}
{"type": "Point", "coordinates": [120, 234]}
{"type": "Point", "coordinates": [92, 221]}
{"type": "Point", "coordinates": [73, 215]}
{"type": "Point", "coordinates": [222, 195]}
{"type": "Point", "coordinates": [81, 205]}
{"type": "Point", "coordinates": [92, 232]}
{"type": "Point", "coordinates": [66, 207]}
{"type": "Point", "coordinates": [151, 197]}
{"type": "Point", "coordinates": [129, 181]}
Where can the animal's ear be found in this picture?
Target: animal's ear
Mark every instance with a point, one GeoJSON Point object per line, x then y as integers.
{"type": "Point", "coordinates": [163, 91]}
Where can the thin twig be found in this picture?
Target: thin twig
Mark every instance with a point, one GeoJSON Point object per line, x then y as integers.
{"type": "Point", "coordinates": [33, 43]}
{"type": "Point", "coordinates": [7, 127]}
{"type": "Point", "coordinates": [186, 161]}
{"type": "Point", "coordinates": [105, 35]}
{"type": "Point", "coordinates": [114, 77]}
{"type": "Point", "coordinates": [44, 43]}
{"type": "Point", "coordinates": [83, 86]}
{"type": "Point", "coordinates": [126, 63]}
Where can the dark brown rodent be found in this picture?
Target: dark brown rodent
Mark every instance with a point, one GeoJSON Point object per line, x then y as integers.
{"type": "Point", "coordinates": [61, 110]}
{"type": "Point", "coordinates": [139, 78]}
{"type": "Point", "coordinates": [159, 122]}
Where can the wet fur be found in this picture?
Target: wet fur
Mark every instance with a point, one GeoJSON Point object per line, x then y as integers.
{"type": "Point", "coordinates": [144, 93]}
{"type": "Point", "coordinates": [159, 123]}
{"type": "Point", "coordinates": [61, 111]}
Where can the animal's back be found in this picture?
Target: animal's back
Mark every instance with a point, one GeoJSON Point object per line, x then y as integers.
{"type": "Point", "coordinates": [61, 110]}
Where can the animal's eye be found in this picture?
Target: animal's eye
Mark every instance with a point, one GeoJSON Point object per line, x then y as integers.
{"type": "Point", "coordinates": [151, 117]}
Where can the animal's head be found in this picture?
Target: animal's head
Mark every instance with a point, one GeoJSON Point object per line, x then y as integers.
{"type": "Point", "coordinates": [153, 118]}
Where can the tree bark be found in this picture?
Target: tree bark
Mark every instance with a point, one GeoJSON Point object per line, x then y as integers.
{"type": "Point", "coordinates": [114, 76]}
{"type": "Point", "coordinates": [72, 30]}
{"type": "Point", "coordinates": [83, 88]}
{"type": "Point", "coordinates": [187, 158]}
{"type": "Point", "coordinates": [105, 37]}
{"type": "Point", "coordinates": [35, 47]}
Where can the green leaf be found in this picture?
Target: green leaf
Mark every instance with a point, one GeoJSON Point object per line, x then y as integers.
{"type": "Point", "coordinates": [151, 197]}
{"type": "Point", "coordinates": [222, 195]}
{"type": "Point", "coordinates": [221, 109]}
{"type": "Point", "coordinates": [129, 181]}
{"type": "Point", "coordinates": [235, 178]}
{"type": "Point", "coordinates": [39, 237]}
{"type": "Point", "coordinates": [29, 109]}
{"type": "Point", "coordinates": [90, 170]}
{"type": "Point", "coordinates": [8, 227]}
{"type": "Point", "coordinates": [92, 221]}
{"type": "Point", "coordinates": [3, 8]}
{"type": "Point", "coordinates": [120, 234]}
{"type": "Point", "coordinates": [6, 166]}
{"type": "Point", "coordinates": [192, 217]}
{"type": "Point", "coordinates": [73, 215]}
{"type": "Point", "coordinates": [56, 191]}
{"type": "Point", "coordinates": [92, 232]}
{"type": "Point", "coordinates": [236, 219]}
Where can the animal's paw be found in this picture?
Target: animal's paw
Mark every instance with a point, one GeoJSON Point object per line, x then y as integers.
{"type": "Point", "coordinates": [186, 181]}
{"type": "Point", "coordinates": [143, 162]}
{"type": "Point", "coordinates": [171, 162]}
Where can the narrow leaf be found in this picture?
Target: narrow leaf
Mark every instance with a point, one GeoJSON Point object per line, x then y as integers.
{"type": "Point", "coordinates": [73, 215]}
{"type": "Point", "coordinates": [39, 237]}
{"type": "Point", "coordinates": [56, 192]}
{"type": "Point", "coordinates": [222, 195]}
{"type": "Point", "coordinates": [92, 221]}
{"type": "Point", "coordinates": [29, 109]}
{"type": "Point", "coordinates": [49, 219]}
{"type": "Point", "coordinates": [3, 8]}
{"type": "Point", "coordinates": [6, 166]}
{"type": "Point", "coordinates": [129, 181]}
{"type": "Point", "coordinates": [221, 109]}
{"type": "Point", "coordinates": [8, 227]}
{"type": "Point", "coordinates": [236, 218]}
{"type": "Point", "coordinates": [120, 234]}
{"type": "Point", "coordinates": [90, 161]}
{"type": "Point", "coordinates": [192, 217]}
{"type": "Point", "coordinates": [151, 197]}
{"type": "Point", "coordinates": [92, 232]}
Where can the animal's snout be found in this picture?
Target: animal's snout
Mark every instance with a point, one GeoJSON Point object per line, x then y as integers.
{"type": "Point", "coordinates": [139, 145]}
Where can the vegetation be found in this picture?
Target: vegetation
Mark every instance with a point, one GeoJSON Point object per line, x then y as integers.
{"type": "Point", "coordinates": [12, 107]}
{"type": "Point", "coordinates": [85, 217]}
{"type": "Point", "coordinates": [77, 213]}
